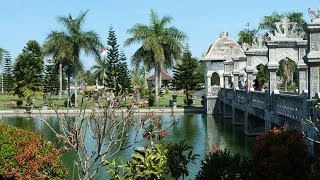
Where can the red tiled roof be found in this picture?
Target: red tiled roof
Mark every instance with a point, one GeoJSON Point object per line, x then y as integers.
{"type": "Point", "coordinates": [164, 77]}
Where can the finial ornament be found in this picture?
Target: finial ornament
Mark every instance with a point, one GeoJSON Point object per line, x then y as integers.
{"type": "Point", "coordinates": [284, 29]}
{"type": "Point", "coordinates": [314, 15]}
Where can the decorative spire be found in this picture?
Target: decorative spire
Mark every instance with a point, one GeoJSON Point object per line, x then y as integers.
{"type": "Point", "coordinates": [314, 15]}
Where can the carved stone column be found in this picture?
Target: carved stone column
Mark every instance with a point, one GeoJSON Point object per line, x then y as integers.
{"type": "Point", "coordinates": [313, 57]}
{"type": "Point", "coordinates": [303, 77]}
{"type": "Point", "coordinates": [236, 74]}
{"type": "Point", "coordinates": [272, 67]}
{"type": "Point", "coordinates": [254, 74]}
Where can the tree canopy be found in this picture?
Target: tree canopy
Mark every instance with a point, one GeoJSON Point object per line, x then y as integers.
{"type": "Point", "coordinates": [160, 45]}
{"type": "Point", "coordinates": [28, 71]}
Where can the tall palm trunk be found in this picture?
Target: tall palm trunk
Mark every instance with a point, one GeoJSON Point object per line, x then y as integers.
{"type": "Point", "coordinates": [69, 100]}
{"type": "Point", "coordinates": [76, 87]}
{"type": "Point", "coordinates": [60, 81]}
{"type": "Point", "coordinates": [157, 73]}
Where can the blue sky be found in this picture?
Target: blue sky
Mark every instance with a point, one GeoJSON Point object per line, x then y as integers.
{"type": "Point", "coordinates": [201, 20]}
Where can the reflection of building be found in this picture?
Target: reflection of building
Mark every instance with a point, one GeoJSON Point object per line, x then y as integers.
{"type": "Point", "coordinates": [166, 79]}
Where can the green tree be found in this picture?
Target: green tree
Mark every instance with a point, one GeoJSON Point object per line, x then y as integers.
{"type": "Point", "coordinates": [112, 71]}
{"type": "Point", "coordinates": [263, 74]}
{"type": "Point", "coordinates": [28, 70]}
{"type": "Point", "coordinates": [287, 69]}
{"type": "Point", "coordinates": [88, 77]}
{"type": "Point", "coordinates": [246, 35]}
{"type": "Point", "coordinates": [160, 45]}
{"type": "Point", "coordinates": [186, 75]}
{"type": "Point", "coordinates": [51, 78]}
{"type": "Point", "coordinates": [99, 69]}
{"type": "Point", "coordinates": [138, 77]}
{"type": "Point", "coordinates": [69, 43]}
{"type": "Point", "coordinates": [7, 73]}
{"type": "Point", "coordinates": [124, 78]}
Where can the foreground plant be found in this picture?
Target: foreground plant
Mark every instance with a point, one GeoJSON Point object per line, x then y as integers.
{"type": "Point", "coordinates": [25, 155]}
{"type": "Point", "coordinates": [155, 162]}
{"type": "Point", "coordinates": [282, 153]}
{"type": "Point", "coordinates": [220, 164]}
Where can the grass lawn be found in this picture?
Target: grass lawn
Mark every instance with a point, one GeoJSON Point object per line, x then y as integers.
{"type": "Point", "coordinates": [9, 101]}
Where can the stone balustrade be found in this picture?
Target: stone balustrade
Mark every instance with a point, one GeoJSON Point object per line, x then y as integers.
{"type": "Point", "coordinates": [258, 99]}
{"type": "Point", "coordinates": [241, 96]}
{"type": "Point", "coordinates": [291, 106]}
{"type": "Point", "coordinates": [229, 93]}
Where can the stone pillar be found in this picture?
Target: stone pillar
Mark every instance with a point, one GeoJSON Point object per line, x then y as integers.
{"type": "Point", "coordinates": [226, 80]}
{"type": "Point", "coordinates": [303, 74]}
{"type": "Point", "coordinates": [255, 74]}
{"type": "Point", "coordinates": [249, 71]}
{"type": "Point", "coordinates": [208, 83]}
{"type": "Point", "coordinates": [236, 74]}
{"type": "Point", "coordinates": [313, 57]}
{"type": "Point", "coordinates": [272, 67]}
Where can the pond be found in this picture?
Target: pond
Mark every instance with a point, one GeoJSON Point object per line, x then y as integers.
{"type": "Point", "coordinates": [200, 131]}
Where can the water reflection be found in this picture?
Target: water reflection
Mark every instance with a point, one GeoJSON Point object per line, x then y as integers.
{"type": "Point", "coordinates": [200, 131]}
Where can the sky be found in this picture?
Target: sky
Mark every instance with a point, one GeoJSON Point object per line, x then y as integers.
{"type": "Point", "coordinates": [202, 20]}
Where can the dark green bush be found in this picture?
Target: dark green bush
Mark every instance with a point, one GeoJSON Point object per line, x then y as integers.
{"type": "Point", "coordinates": [223, 165]}
{"type": "Point", "coordinates": [282, 154]}
{"type": "Point", "coordinates": [19, 103]}
{"type": "Point", "coordinates": [145, 92]}
{"type": "Point", "coordinates": [25, 155]}
{"type": "Point", "coordinates": [188, 102]}
{"type": "Point", "coordinates": [151, 99]}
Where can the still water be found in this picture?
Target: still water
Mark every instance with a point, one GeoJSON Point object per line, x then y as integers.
{"type": "Point", "coordinates": [198, 130]}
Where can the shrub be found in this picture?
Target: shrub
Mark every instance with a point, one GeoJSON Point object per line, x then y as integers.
{"type": "Point", "coordinates": [19, 103]}
{"type": "Point", "coordinates": [25, 155]}
{"type": "Point", "coordinates": [145, 92]}
{"type": "Point", "coordinates": [282, 153]}
{"type": "Point", "coordinates": [223, 165]}
{"type": "Point", "coordinates": [154, 162]}
{"type": "Point", "coordinates": [188, 102]}
{"type": "Point", "coordinates": [151, 99]}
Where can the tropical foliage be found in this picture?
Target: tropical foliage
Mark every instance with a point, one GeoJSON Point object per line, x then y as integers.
{"type": "Point", "coordinates": [268, 22]}
{"type": "Point", "coordinates": [26, 155]}
{"type": "Point", "coordinates": [187, 76]}
{"type": "Point", "coordinates": [246, 36]}
{"type": "Point", "coordinates": [282, 153]}
{"type": "Point", "coordinates": [28, 71]}
{"type": "Point", "coordinates": [160, 45]}
{"type": "Point", "coordinates": [223, 165]}
{"type": "Point", "coordinates": [68, 44]}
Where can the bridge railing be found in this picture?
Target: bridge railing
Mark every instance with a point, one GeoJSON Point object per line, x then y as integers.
{"type": "Point", "coordinates": [291, 106]}
{"type": "Point", "coordinates": [229, 93]}
{"type": "Point", "coordinates": [258, 99]}
{"type": "Point", "coordinates": [241, 96]}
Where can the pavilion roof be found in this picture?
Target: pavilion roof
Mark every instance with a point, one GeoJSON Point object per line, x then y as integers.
{"type": "Point", "coordinates": [164, 77]}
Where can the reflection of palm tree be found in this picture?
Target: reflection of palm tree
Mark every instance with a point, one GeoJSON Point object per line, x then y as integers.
{"type": "Point", "coordinates": [68, 44]}
{"type": "Point", "coordinates": [160, 45]}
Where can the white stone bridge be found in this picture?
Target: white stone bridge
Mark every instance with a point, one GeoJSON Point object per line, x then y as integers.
{"type": "Point", "coordinates": [226, 61]}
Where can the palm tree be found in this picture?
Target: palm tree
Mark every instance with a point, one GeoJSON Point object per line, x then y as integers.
{"type": "Point", "coordinates": [99, 68]}
{"type": "Point", "coordinates": [160, 45]}
{"type": "Point", "coordinates": [70, 43]}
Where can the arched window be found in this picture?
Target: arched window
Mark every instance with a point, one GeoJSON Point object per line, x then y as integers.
{"type": "Point", "coordinates": [215, 79]}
